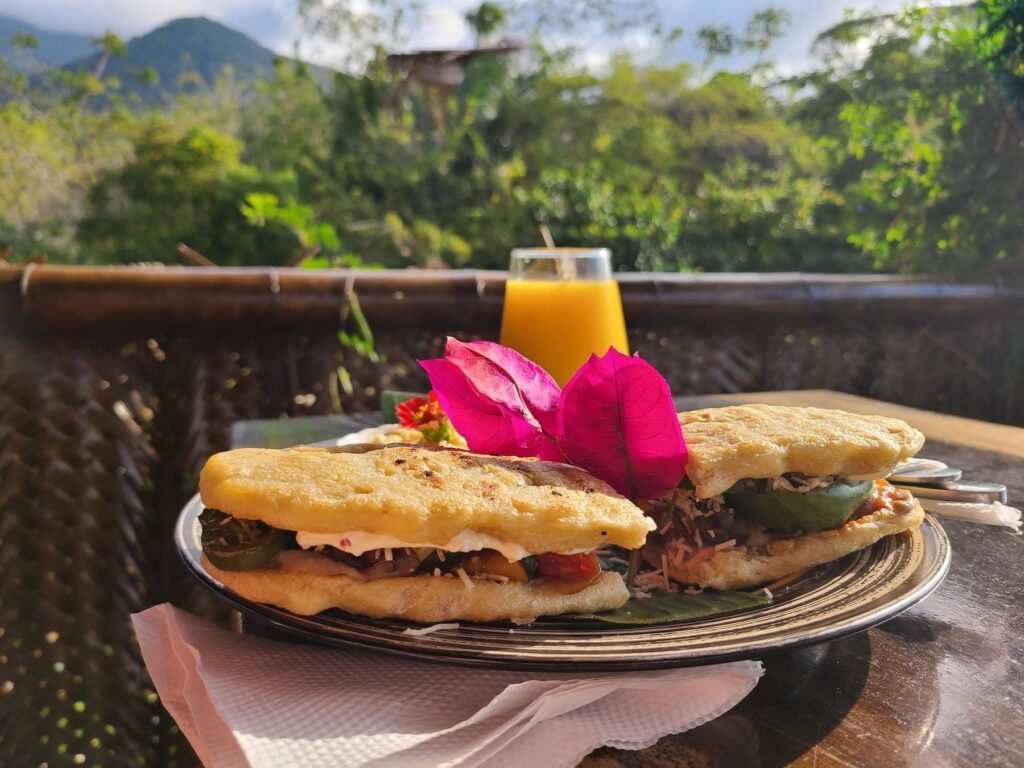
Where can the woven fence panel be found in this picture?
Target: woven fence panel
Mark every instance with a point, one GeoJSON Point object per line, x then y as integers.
{"type": "Point", "coordinates": [77, 505]}
{"type": "Point", "coordinates": [101, 443]}
{"type": "Point", "coordinates": [102, 439]}
{"type": "Point", "coordinates": [951, 368]}
{"type": "Point", "coordinates": [698, 361]}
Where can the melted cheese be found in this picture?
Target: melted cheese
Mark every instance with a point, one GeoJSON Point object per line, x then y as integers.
{"type": "Point", "coordinates": [358, 542]}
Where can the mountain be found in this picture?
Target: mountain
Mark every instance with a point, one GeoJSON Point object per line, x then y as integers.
{"type": "Point", "coordinates": [179, 50]}
{"type": "Point", "coordinates": [55, 48]}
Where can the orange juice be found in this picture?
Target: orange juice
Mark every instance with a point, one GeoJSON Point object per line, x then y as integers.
{"type": "Point", "coordinates": [559, 324]}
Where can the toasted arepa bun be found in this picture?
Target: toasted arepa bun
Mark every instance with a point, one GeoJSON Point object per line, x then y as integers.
{"type": "Point", "coordinates": [423, 494]}
{"type": "Point", "coordinates": [738, 442]}
{"type": "Point", "coordinates": [739, 568]}
{"type": "Point", "coordinates": [419, 598]}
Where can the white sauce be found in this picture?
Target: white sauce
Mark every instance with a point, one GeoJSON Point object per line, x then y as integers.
{"type": "Point", "coordinates": [358, 542]}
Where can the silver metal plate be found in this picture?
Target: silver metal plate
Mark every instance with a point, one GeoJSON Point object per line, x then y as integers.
{"type": "Point", "coordinates": [924, 472]}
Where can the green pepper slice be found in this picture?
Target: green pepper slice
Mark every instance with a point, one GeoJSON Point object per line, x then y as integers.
{"type": "Point", "coordinates": [529, 564]}
{"type": "Point", "coordinates": [815, 510]}
{"type": "Point", "coordinates": [239, 545]}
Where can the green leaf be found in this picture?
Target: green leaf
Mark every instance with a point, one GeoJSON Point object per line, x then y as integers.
{"type": "Point", "coordinates": [390, 398]}
{"type": "Point", "coordinates": [662, 607]}
{"type": "Point", "coordinates": [345, 380]}
{"type": "Point", "coordinates": [362, 340]}
{"type": "Point", "coordinates": [24, 40]}
{"type": "Point", "coordinates": [315, 262]}
{"type": "Point", "coordinates": [111, 43]}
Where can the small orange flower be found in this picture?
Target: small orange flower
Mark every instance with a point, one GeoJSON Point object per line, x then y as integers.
{"type": "Point", "coordinates": [426, 415]}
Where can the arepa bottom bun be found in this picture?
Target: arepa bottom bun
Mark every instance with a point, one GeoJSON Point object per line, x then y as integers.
{"type": "Point", "coordinates": [427, 599]}
{"type": "Point", "coordinates": [743, 567]}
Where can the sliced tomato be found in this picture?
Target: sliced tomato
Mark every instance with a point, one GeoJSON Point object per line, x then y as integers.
{"type": "Point", "coordinates": [883, 494]}
{"type": "Point", "coordinates": [880, 497]}
{"type": "Point", "coordinates": [570, 567]}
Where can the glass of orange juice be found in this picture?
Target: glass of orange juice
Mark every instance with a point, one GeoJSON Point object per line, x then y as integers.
{"type": "Point", "coordinates": [562, 305]}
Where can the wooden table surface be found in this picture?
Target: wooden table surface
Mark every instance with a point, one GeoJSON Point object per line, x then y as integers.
{"type": "Point", "coordinates": [940, 685]}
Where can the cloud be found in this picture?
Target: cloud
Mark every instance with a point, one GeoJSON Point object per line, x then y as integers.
{"type": "Point", "coordinates": [790, 53]}
{"type": "Point", "coordinates": [275, 24]}
{"type": "Point", "coordinates": [435, 25]}
{"type": "Point", "coordinates": [441, 27]}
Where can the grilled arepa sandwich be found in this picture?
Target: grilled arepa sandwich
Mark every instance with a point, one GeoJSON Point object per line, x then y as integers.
{"type": "Point", "coordinates": [417, 532]}
{"type": "Point", "coordinates": [773, 490]}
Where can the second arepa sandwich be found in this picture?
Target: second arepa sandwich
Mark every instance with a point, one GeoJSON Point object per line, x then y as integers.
{"type": "Point", "coordinates": [773, 490]}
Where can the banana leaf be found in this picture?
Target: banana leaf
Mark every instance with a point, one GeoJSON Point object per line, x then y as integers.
{"type": "Point", "coordinates": [662, 607]}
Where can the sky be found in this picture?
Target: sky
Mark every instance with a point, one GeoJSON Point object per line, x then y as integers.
{"type": "Point", "coordinates": [275, 23]}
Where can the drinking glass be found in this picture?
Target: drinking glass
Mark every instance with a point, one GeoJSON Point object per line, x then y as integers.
{"type": "Point", "coordinates": [562, 305]}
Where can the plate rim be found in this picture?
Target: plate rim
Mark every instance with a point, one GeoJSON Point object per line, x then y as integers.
{"type": "Point", "coordinates": [937, 552]}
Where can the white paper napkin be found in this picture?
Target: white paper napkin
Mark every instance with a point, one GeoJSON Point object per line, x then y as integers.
{"type": "Point", "coordinates": [250, 702]}
{"type": "Point", "coordinates": [995, 513]}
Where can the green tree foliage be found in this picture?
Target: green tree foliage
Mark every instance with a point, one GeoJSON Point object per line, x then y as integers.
{"type": "Point", "coordinates": [902, 150]}
{"type": "Point", "coordinates": [183, 187]}
{"type": "Point", "coordinates": [486, 20]}
{"type": "Point", "coordinates": [410, 182]}
{"type": "Point", "coordinates": [623, 159]}
{"type": "Point", "coordinates": [288, 125]}
{"type": "Point", "coordinates": [53, 147]}
{"type": "Point", "coordinates": [925, 153]}
{"type": "Point", "coordinates": [1003, 45]}
{"type": "Point", "coordinates": [319, 245]}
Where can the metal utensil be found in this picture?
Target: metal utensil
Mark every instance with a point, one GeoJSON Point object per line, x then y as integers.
{"type": "Point", "coordinates": [924, 472]}
{"type": "Point", "coordinates": [931, 479]}
{"type": "Point", "coordinates": [965, 493]}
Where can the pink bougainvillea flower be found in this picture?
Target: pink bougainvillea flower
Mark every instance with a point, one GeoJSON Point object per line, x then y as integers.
{"type": "Point", "coordinates": [615, 417]}
{"type": "Point", "coordinates": [508, 378]}
{"type": "Point", "coordinates": [617, 420]}
{"type": "Point", "coordinates": [488, 425]}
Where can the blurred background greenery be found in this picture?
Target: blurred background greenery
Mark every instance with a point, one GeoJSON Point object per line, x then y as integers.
{"type": "Point", "coordinates": [902, 150]}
